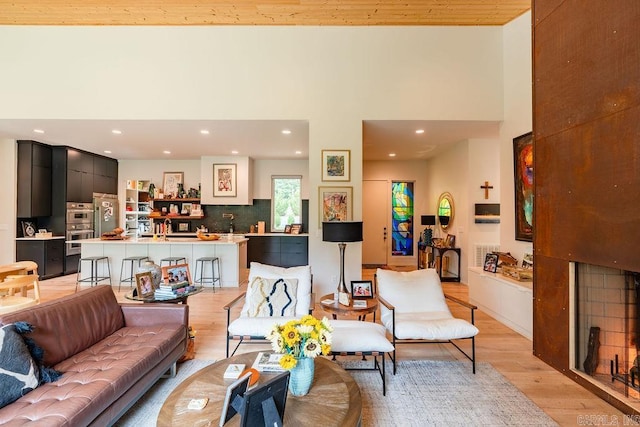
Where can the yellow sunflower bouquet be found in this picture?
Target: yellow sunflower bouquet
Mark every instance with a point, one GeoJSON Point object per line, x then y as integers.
{"type": "Point", "coordinates": [305, 337]}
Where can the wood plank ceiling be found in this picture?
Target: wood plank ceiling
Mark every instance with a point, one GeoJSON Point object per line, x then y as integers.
{"type": "Point", "coordinates": [261, 12]}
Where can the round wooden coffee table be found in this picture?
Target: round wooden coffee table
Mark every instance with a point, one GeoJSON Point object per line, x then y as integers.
{"type": "Point", "coordinates": [334, 398]}
{"type": "Point", "coordinates": [335, 308]}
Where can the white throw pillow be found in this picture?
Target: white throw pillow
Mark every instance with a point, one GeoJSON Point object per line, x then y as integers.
{"type": "Point", "coordinates": [302, 273]}
{"type": "Point", "coordinates": [271, 297]}
{"type": "Point", "coordinates": [412, 291]}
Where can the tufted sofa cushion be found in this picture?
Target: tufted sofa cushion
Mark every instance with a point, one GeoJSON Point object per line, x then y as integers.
{"type": "Point", "coordinates": [66, 326]}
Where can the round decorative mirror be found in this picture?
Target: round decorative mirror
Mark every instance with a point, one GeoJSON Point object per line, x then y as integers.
{"type": "Point", "coordinates": [445, 210]}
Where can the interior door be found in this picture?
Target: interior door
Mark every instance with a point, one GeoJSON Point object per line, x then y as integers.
{"type": "Point", "coordinates": [375, 218]}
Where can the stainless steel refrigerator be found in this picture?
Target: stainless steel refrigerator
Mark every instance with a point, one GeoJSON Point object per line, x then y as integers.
{"type": "Point", "coordinates": [105, 210]}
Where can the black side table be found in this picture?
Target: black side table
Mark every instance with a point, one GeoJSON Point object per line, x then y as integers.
{"type": "Point", "coordinates": [446, 276]}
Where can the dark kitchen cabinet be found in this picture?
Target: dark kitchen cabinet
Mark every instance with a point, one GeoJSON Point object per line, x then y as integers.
{"type": "Point", "coordinates": [283, 251]}
{"type": "Point", "coordinates": [81, 174]}
{"type": "Point", "coordinates": [34, 179]}
{"type": "Point", "coordinates": [79, 186]}
{"type": "Point", "coordinates": [47, 253]}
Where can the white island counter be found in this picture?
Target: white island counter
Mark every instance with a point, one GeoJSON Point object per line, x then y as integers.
{"type": "Point", "coordinates": [232, 254]}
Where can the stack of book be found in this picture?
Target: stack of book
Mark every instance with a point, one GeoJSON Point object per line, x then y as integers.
{"type": "Point", "coordinates": [174, 290]}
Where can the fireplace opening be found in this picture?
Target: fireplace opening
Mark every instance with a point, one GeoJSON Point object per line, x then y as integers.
{"type": "Point", "coordinates": [607, 324]}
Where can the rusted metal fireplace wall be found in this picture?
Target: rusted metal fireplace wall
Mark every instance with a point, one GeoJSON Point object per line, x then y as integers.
{"type": "Point", "coordinates": [586, 124]}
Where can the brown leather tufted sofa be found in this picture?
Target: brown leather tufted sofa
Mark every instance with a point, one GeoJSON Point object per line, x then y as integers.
{"type": "Point", "coordinates": [109, 354]}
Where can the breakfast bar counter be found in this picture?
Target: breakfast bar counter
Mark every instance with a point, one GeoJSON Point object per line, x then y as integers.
{"type": "Point", "coordinates": [232, 253]}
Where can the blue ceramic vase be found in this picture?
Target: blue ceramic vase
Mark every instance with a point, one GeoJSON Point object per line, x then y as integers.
{"type": "Point", "coordinates": [302, 376]}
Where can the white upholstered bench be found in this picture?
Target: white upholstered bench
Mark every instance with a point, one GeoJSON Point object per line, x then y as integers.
{"type": "Point", "coordinates": [357, 338]}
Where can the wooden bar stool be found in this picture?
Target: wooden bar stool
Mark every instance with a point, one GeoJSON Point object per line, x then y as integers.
{"type": "Point", "coordinates": [132, 276]}
{"type": "Point", "coordinates": [94, 278]}
{"type": "Point", "coordinates": [215, 268]}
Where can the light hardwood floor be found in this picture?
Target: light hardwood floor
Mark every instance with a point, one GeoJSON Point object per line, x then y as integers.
{"type": "Point", "coordinates": [510, 353]}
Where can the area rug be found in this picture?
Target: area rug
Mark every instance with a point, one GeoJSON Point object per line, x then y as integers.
{"type": "Point", "coordinates": [422, 393]}
{"type": "Point", "coordinates": [429, 393]}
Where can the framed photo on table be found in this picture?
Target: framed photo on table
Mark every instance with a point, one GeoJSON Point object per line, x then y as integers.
{"type": "Point", "coordinates": [170, 181]}
{"type": "Point", "coordinates": [335, 204]}
{"type": "Point", "coordinates": [296, 228]}
{"type": "Point", "coordinates": [177, 274]}
{"type": "Point", "coordinates": [144, 284]}
{"type": "Point", "coordinates": [362, 289]}
{"type": "Point", "coordinates": [336, 165]}
{"type": "Point", "coordinates": [225, 180]}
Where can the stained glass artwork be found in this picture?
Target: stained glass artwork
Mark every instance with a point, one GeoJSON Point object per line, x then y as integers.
{"type": "Point", "coordinates": [402, 218]}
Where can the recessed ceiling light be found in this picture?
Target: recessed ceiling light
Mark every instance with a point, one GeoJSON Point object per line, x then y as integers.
{"type": "Point", "coordinates": [38, 131]}
{"type": "Point", "coordinates": [419, 131]}
{"type": "Point", "coordinates": [116, 132]}
{"type": "Point", "coordinates": [298, 152]}
{"type": "Point", "coordinates": [392, 154]}
{"type": "Point", "coordinates": [286, 131]}
{"type": "Point", "coordinates": [204, 132]}
{"type": "Point", "coordinates": [234, 152]}
{"type": "Point", "coordinates": [167, 152]}
{"type": "Point", "coordinates": [107, 151]}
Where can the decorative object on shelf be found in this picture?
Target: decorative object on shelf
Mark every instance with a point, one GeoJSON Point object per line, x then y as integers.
{"type": "Point", "coordinates": [523, 170]}
{"type": "Point", "coordinates": [491, 263]}
{"type": "Point", "coordinates": [287, 229]}
{"type": "Point", "coordinates": [446, 210]}
{"type": "Point", "coordinates": [301, 341]}
{"type": "Point", "coordinates": [527, 260]}
{"type": "Point", "coordinates": [28, 229]}
{"type": "Point", "coordinates": [154, 269]}
{"type": "Point", "coordinates": [336, 165]}
{"type": "Point", "coordinates": [181, 192]}
{"type": "Point", "coordinates": [342, 232]}
{"type": "Point", "coordinates": [224, 180]}
{"type": "Point", "coordinates": [335, 203]}
{"type": "Point", "coordinates": [170, 181]}
{"type": "Point", "coordinates": [487, 213]}
{"type": "Point", "coordinates": [427, 234]}
{"type": "Point", "coordinates": [296, 228]}
{"type": "Point", "coordinates": [450, 241]}
{"type": "Point", "coordinates": [152, 190]}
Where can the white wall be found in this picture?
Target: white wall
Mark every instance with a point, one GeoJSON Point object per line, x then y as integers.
{"type": "Point", "coordinates": [334, 77]}
{"type": "Point", "coordinates": [483, 165]}
{"type": "Point", "coordinates": [517, 121]}
{"type": "Point", "coordinates": [263, 170]}
{"type": "Point", "coordinates": [449, 171]}
{"type": "Point", "coordinates": [8, 197]}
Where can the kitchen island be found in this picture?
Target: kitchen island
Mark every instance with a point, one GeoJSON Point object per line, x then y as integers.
{"type": "Point", "coordinates": [231, 252]}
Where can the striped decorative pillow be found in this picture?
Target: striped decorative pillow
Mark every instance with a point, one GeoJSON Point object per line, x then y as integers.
{"type": "Point", "coordinates": [271, 297]}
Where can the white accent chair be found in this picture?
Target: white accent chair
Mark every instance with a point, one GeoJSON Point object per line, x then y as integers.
{"type": "Point", "coordinates": [255, 328]}
{"type": "Point", "coordinates": [414, 311]}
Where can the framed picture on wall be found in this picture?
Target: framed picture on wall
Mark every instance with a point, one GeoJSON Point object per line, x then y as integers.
{"type": "Point", "coordinates": [523, 184]}
{"type": "Point", "coordinates": [335, 204]}
{"type": "Point", "coordinates": [170, 181]}
{"type": "Point", "coordinates": [225, 180]}
{"type": "Point", "coordinates": [336, 165]}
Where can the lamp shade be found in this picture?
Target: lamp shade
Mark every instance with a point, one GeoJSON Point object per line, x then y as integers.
{"type": "Point", "coordinates": [342, 231]}
{"type": "Point", "coordinates": [444, 220]}
{"type": "Point", "coordinates": [428, 219]}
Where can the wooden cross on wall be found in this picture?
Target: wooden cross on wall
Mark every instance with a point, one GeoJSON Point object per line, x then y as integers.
{"type": "Point", "coordinates": [486, 188]}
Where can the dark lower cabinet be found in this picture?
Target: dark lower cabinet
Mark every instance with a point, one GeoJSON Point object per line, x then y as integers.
{"type": "Point", "coordinates": [283, 251]}
{"type": "Point", "coordinates": [48, 254]}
